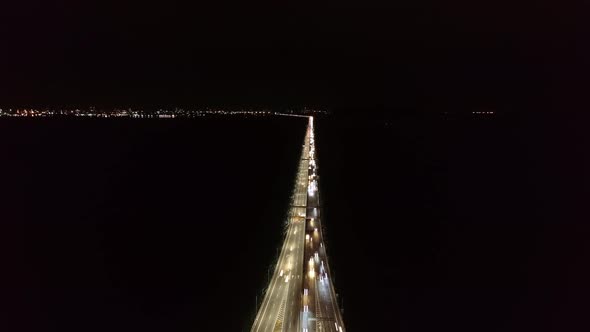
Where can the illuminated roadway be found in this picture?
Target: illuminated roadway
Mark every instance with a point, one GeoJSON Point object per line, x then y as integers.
{"type": "Point", "coordinates": [300, 295]}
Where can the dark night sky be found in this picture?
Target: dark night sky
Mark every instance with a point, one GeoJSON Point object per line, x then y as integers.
{"type": "Point", "coordinates": [416, 55]}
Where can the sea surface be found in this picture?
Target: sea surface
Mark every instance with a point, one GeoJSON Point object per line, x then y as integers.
{"type": "Point", "coordinates": [453, 224]}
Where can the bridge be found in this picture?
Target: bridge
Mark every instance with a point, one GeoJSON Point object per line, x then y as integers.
{"type": "Point", "coordinates": [300, 296]}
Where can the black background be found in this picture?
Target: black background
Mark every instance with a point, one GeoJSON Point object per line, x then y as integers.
{"type": "Point", "coordinates": [431, 223]}
{"type": "Point", "coordinates": [458, 224]}
{"type": "Point", "coordinates": [416, 55]}
{"type": "Point", "coordinates": [117, 225]}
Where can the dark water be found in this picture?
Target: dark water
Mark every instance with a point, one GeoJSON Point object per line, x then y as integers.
{"type": "Point", "coordinates": [459, 224]}
{"type": "Point", "coordinates": [143, 225]}
{"type": "Point", "coordinates": [170, 225]}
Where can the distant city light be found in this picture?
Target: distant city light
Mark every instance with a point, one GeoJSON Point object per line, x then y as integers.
{"type": "Point", "coordinates": [147, 114]}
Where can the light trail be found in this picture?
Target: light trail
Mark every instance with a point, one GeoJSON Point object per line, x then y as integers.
{"type": "Point", "coordinates": [300, 296]}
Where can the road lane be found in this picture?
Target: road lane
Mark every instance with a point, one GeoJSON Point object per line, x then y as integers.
{"type": "Point", "coordinates": [325, 315]}
{"type": "Point", "coordinates": [301, 295]}
{"type": "Point", "coordinates": [281, 299]}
